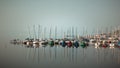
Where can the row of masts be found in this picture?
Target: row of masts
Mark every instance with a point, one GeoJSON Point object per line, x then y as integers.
{"type": "Point", "coordinates": [71, 36]}
{"type": "Point", "coordinates": [71, 33]}
{"type": "Point", "coordinates": [40, 34]}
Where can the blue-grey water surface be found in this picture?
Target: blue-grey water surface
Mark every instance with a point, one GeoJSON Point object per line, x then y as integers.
{"type": "Point", "coordinates": [20, 56]}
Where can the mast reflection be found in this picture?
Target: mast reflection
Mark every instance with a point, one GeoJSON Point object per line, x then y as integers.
{"type": "Point", "coordinates": [62, 55]}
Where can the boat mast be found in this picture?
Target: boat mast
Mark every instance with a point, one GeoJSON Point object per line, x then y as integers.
{"type": "Point", "coordinates": [34, 32]}
{"type": "Point", "coordinates": [72, 32]}
{"type": "Point", "coordinates": [50, 33]}
{"type": "Point", "coordinates": [119, 30]}
{"type": "Point", "coordinates": [86, 33]}
{"type": "Point", "coordinates": [67, 34]}
{"type": "Point", "coordinates": [38, 31]}
{"type": "Point", "coordinates": [64, 35]}
{"type": "Point", "coordinates": [29, 32]}
{"type": "Point", "coordinates": [55, 32]}
{"type": "Point", "coordinates": [61, 33]}
{"type": "Point", "coordinates": [76, 32]}
{"type": "Point", "coordinates": [44, 33]}
{"type": "Point", "coordinates": [83, 31]}
{"type": "Point", "coordinates": [41, 32]}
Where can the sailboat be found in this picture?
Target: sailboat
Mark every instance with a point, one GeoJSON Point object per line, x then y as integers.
{"type": "Point", "coordinates": [62, 41]}
{"type": "Point", "coordinates": [119, 38]}
{"type": "Point", "coordinates": [104, 44]}
{"type": "Point", "coordinates": [15, 41]}
{"type": "Point", "coordinates": [68, 41]}
{"type": "Point", "coordinates": [35, 41]}
{"type": "Point", "coordinates": [112, 43]}
{"type": "Point", "coordinates": [56, 42]}
{"type": "Point", "coordinates": [43, 42]}
{"type": "Point", "coordinates": [76, 43]}
{"type": "Point", "coordinates": [97, 44]}
{"type": "Point", "coordinates": [28, 41]}
{"type": "Point", "coordinates": [82, 42]}
{"type": "Point", "coordinates": [50, 42]}
{"type": "Point", "coordinates": [118, 43]}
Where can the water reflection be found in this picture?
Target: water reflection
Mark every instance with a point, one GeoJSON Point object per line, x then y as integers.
{"type": "Point", "coordinates": [62, 55]}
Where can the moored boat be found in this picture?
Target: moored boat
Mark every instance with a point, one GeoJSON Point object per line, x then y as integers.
{"type": "Point", "coordinates": [69, 43]}
{"type": "Point", "coordinates": [111, 44]}
{"type": "Point", "coordinates": [51, 42]}
{"type": "Point", "coordinates": [104, 44]}
{"type": "Point", "coordinates": [82, 44]}
{"type": "Point", "coordinates": [76, 43]}
{"type": "Point", "coordinates": [63, 43]}
{"type": "Point", "coordinates": [97, 44]}
{"type": "Point", "coordinates": [118, 43]}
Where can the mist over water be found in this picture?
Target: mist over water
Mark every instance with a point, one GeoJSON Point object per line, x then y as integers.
{"type": "Point", "coordinates": [85, 15]}
{"type": "Point", "coordinates": [15, 16]}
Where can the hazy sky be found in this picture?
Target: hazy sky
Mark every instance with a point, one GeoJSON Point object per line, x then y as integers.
{"type": "Point", "coordinates": [16, 15]}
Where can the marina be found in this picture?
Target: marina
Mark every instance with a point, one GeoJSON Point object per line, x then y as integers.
{"type": "Point", "coordinates": [71, 49]}
{"type": "Point", "coordinates": [72, 39]}
{"type": "Point", "coordinates": [59, 33]}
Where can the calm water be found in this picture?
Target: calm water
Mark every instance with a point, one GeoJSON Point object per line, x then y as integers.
{"type": "Point", "coordinates": [19, 56]}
